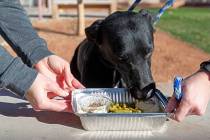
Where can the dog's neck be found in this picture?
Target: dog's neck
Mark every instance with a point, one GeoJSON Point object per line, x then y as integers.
{"type": "Point", "coordinates": [106, 62]}
{"type": "Point", "coordinates": [117, 81]}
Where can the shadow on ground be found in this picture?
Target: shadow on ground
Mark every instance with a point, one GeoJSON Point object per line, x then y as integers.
{"type": "Point", "coordinates": [21, 108]}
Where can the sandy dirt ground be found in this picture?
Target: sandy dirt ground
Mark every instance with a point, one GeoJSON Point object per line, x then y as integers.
{"type": "Point", "coordinates": [171, 57]}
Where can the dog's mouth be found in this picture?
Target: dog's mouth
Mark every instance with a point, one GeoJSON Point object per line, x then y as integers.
{"type": "Point", "coordinates": [143, 94]}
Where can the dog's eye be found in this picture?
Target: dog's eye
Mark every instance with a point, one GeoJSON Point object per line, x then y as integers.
{"type": "Point", "coordinates": [148, 50]}
{"type": "Point", "coordinates": [123, 58]}
{"type": "Point", "coordinates": [148, 55]}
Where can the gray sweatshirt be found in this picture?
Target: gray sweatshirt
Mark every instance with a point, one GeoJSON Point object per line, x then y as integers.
{"type": "Point", "coordinates": [17, 30]}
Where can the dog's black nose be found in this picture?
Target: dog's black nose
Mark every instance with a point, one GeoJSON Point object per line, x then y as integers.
{"type": "Point", "coordinates": [144, 94]}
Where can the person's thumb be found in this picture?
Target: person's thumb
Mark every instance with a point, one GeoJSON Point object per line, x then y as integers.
{"type": "Point", "coordinates": [57, 90]}
{"type": "Point", "coordinates": [172, 104]}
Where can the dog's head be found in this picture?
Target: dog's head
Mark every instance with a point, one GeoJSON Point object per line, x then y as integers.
{"type": "Point", "coordinates": [125, 39]}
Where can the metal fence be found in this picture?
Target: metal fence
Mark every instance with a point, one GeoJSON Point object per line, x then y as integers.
{"type": "Point", "coordinates": [37, 7]}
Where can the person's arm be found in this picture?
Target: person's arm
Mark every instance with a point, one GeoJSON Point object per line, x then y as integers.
{"type": "Point", "coordinates": [27, 83]}
{"type": "Point", "coordinates": [17, 30]}
{"type": "Point", "coordinates": [196, 94]}
{"type": "Point", "coordinates": [15, 75]}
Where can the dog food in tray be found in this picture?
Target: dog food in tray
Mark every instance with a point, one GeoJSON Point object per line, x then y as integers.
{"type": "Point", "coordinates": [92, 106]}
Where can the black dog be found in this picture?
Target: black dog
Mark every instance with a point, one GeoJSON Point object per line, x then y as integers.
{"type": "Point", "coordinates": [118, 48]}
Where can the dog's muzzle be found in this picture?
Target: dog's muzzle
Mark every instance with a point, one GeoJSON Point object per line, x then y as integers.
{"type": "Point", "coordinates": [143, 94]}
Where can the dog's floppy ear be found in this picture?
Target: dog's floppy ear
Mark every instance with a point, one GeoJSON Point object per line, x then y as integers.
{"type": "Point", "coordinates": [148, 15]}
{"type": "Point", "coordinates": [93, 32]}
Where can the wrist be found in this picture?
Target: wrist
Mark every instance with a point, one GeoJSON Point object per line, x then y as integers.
{"type": "Point", "coordinates": [38, 55]}
{"type": "Point", "coordinates": [204, 75]}
{"type": "Point", "coordinates": [43, 61]}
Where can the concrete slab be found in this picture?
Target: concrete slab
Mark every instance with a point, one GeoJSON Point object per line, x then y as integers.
{"type": "Point", "coordinates": [18, 121]}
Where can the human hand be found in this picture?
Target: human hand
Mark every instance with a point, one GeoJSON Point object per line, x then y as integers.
{"type": "Point", "coordinates": [196, 90]}
{"type": "Point", "coordinates": [41, 96]}
{"type": "Point", "coordinates": [58, 70]}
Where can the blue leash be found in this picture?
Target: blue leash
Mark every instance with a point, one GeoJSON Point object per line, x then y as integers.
{"type": "Point", "coordinates": [133, 6]}
{"type": "Point", "coordinates": [168, 4]}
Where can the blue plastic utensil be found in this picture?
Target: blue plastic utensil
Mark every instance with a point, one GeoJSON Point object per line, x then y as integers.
{"type": "Point", "coordinates": [178, 88]}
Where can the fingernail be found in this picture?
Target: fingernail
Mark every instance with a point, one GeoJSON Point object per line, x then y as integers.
{"type": "Point", "coordinates": [77, 84]}
{"type": "Point", "coordinates": [65, 93]}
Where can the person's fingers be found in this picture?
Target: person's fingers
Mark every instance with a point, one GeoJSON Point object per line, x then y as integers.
{"type": "Point", "coordinates": [68, 104]}
{"type": "Point", "coordinates": [172, 104]}
{"type": "Point", "coordinates": [68, 76]}
{"type": "Point", "coordinates": [61, 81]}
{"type": "Point", "coordinates": [59, 106]}
{"type": "Point", "coordinates": [33, 102]}
{"type": "Point", "coordinates": [68, 97]}
{"type": "Point", "coordinates": [70, 80]}
{"type": "Point", "coordinates": [54, 105]}
{"type": "Point", "coordinates": [182, 111]}
{"type": "Point", "coordinates": [198, 109]}
{"type": "Point", "coordinates": [51, 95]}
{"type": "Point", "coordinates": [57, 90]}
{"type": "Point", "coordinates": [191, 112]}
{"type": "Point", "coordinates": [77, 84]}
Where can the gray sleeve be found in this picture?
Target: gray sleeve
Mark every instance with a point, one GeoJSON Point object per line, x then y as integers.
{"type": "Point", "coordinates": [17, 30]}
{"type": "Point", "coordinates": [14, 75]}
{"type": "Point", "coordinates": [205, 66]}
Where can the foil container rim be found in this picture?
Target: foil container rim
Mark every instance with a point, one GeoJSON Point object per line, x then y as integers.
{"type": "Point", "coordinates": [88, 90]}
{"type": "Point", "coordinates": [124, 114]}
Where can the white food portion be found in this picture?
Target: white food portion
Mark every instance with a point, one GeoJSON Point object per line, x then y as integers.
{"type": "Point", "coordinates": [101, 104]}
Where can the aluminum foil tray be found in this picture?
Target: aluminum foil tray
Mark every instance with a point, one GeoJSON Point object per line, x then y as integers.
{"type": "Point", "coordinates": [118, 121]}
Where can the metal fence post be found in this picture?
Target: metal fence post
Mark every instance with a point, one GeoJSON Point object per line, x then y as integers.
{"type": "Point", "coordinates": [81, 17]}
